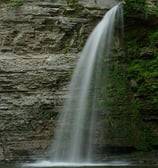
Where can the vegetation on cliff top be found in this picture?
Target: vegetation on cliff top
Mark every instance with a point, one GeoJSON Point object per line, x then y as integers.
{"type": "Point", "coordinates": [12, 3]}
{"type": "Point", "coordinates": [141, 7]}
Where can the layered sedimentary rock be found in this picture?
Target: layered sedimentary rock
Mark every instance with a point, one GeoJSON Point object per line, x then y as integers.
{"type": "Point", "coordinates": [39, 46]}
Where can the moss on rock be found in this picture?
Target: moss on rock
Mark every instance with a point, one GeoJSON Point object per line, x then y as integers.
{"type": "Point", "coordinates": [142, 49]}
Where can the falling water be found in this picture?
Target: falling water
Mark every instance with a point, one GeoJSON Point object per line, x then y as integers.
{"type": "Point", "coordinates": [77, 129]}
{"type": "Point", "coordinates": [77, 126]}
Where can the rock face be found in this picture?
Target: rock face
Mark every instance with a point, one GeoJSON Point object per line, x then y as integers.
{"type": "Point", "coordinates": [142, 48]}
{"type": "Point", "coordinates": [32, 91]}
{"type": "Point", "coordinates": [99, 4]}
{"type": "Point", "coordinates": [39, 45]}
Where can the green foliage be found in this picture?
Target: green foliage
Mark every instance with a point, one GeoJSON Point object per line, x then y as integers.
{"type": "Point", "coordinates": [146, 75]}
{"type": "Point", "coordinates": [71, 3]}
{"type": "Point", "coordinates": [76, 9]}
{"type": "Point", "coordinates": [133, 7]}
{"type": "Point", "coordinates": [153, 37]}
{"type": "Point", "coordinates": [136, 4]}
{"type": "Point", "coordinates": [142, 53]}
{"type": "Point", "coordinates": [46, 79]}
{"type": "Point", "coordinates": [47, 115]}
{"type": "Point", "coordinates": [117, 116]}
{"type": "Point", "coordinates": [140, 7]}
{"type": "Point", "coordinates": [145, 72]}
{"type": "Point", "coordinates": [15, 3]}
{"type": "Point", "coordinates": [143, 139]}
{"type": "Point", "coordinates": [136, 42]}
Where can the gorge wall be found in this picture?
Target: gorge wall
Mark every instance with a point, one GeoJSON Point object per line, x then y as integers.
{"type": "Point", "coordinates": [40, 43]}
{"type": "Point", "coordinates": [39, 46]}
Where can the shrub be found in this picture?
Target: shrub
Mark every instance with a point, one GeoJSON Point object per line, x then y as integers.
{"type": "Point", "coordinates": [16, 2]}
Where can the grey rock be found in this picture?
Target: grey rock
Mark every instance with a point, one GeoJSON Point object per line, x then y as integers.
{"type": "Point", "coordinates": [39, 46]}
{"type": "Point", "coordinates": [32, 92]}
{"type": "Point", "coordinates": [98, 4]}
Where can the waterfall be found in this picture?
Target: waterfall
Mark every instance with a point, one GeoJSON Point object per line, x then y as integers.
{"type": "Point", "coordinates": [78, 125]}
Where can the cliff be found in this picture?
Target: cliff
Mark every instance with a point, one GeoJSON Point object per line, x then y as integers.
{"type": "Point", "coordinates": [141, 37]}
{"type": "Point", "coordinates": [39, 46]}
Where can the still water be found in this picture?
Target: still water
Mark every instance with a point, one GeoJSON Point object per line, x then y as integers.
{"type": "Point", "coordinates": [123, 166]}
